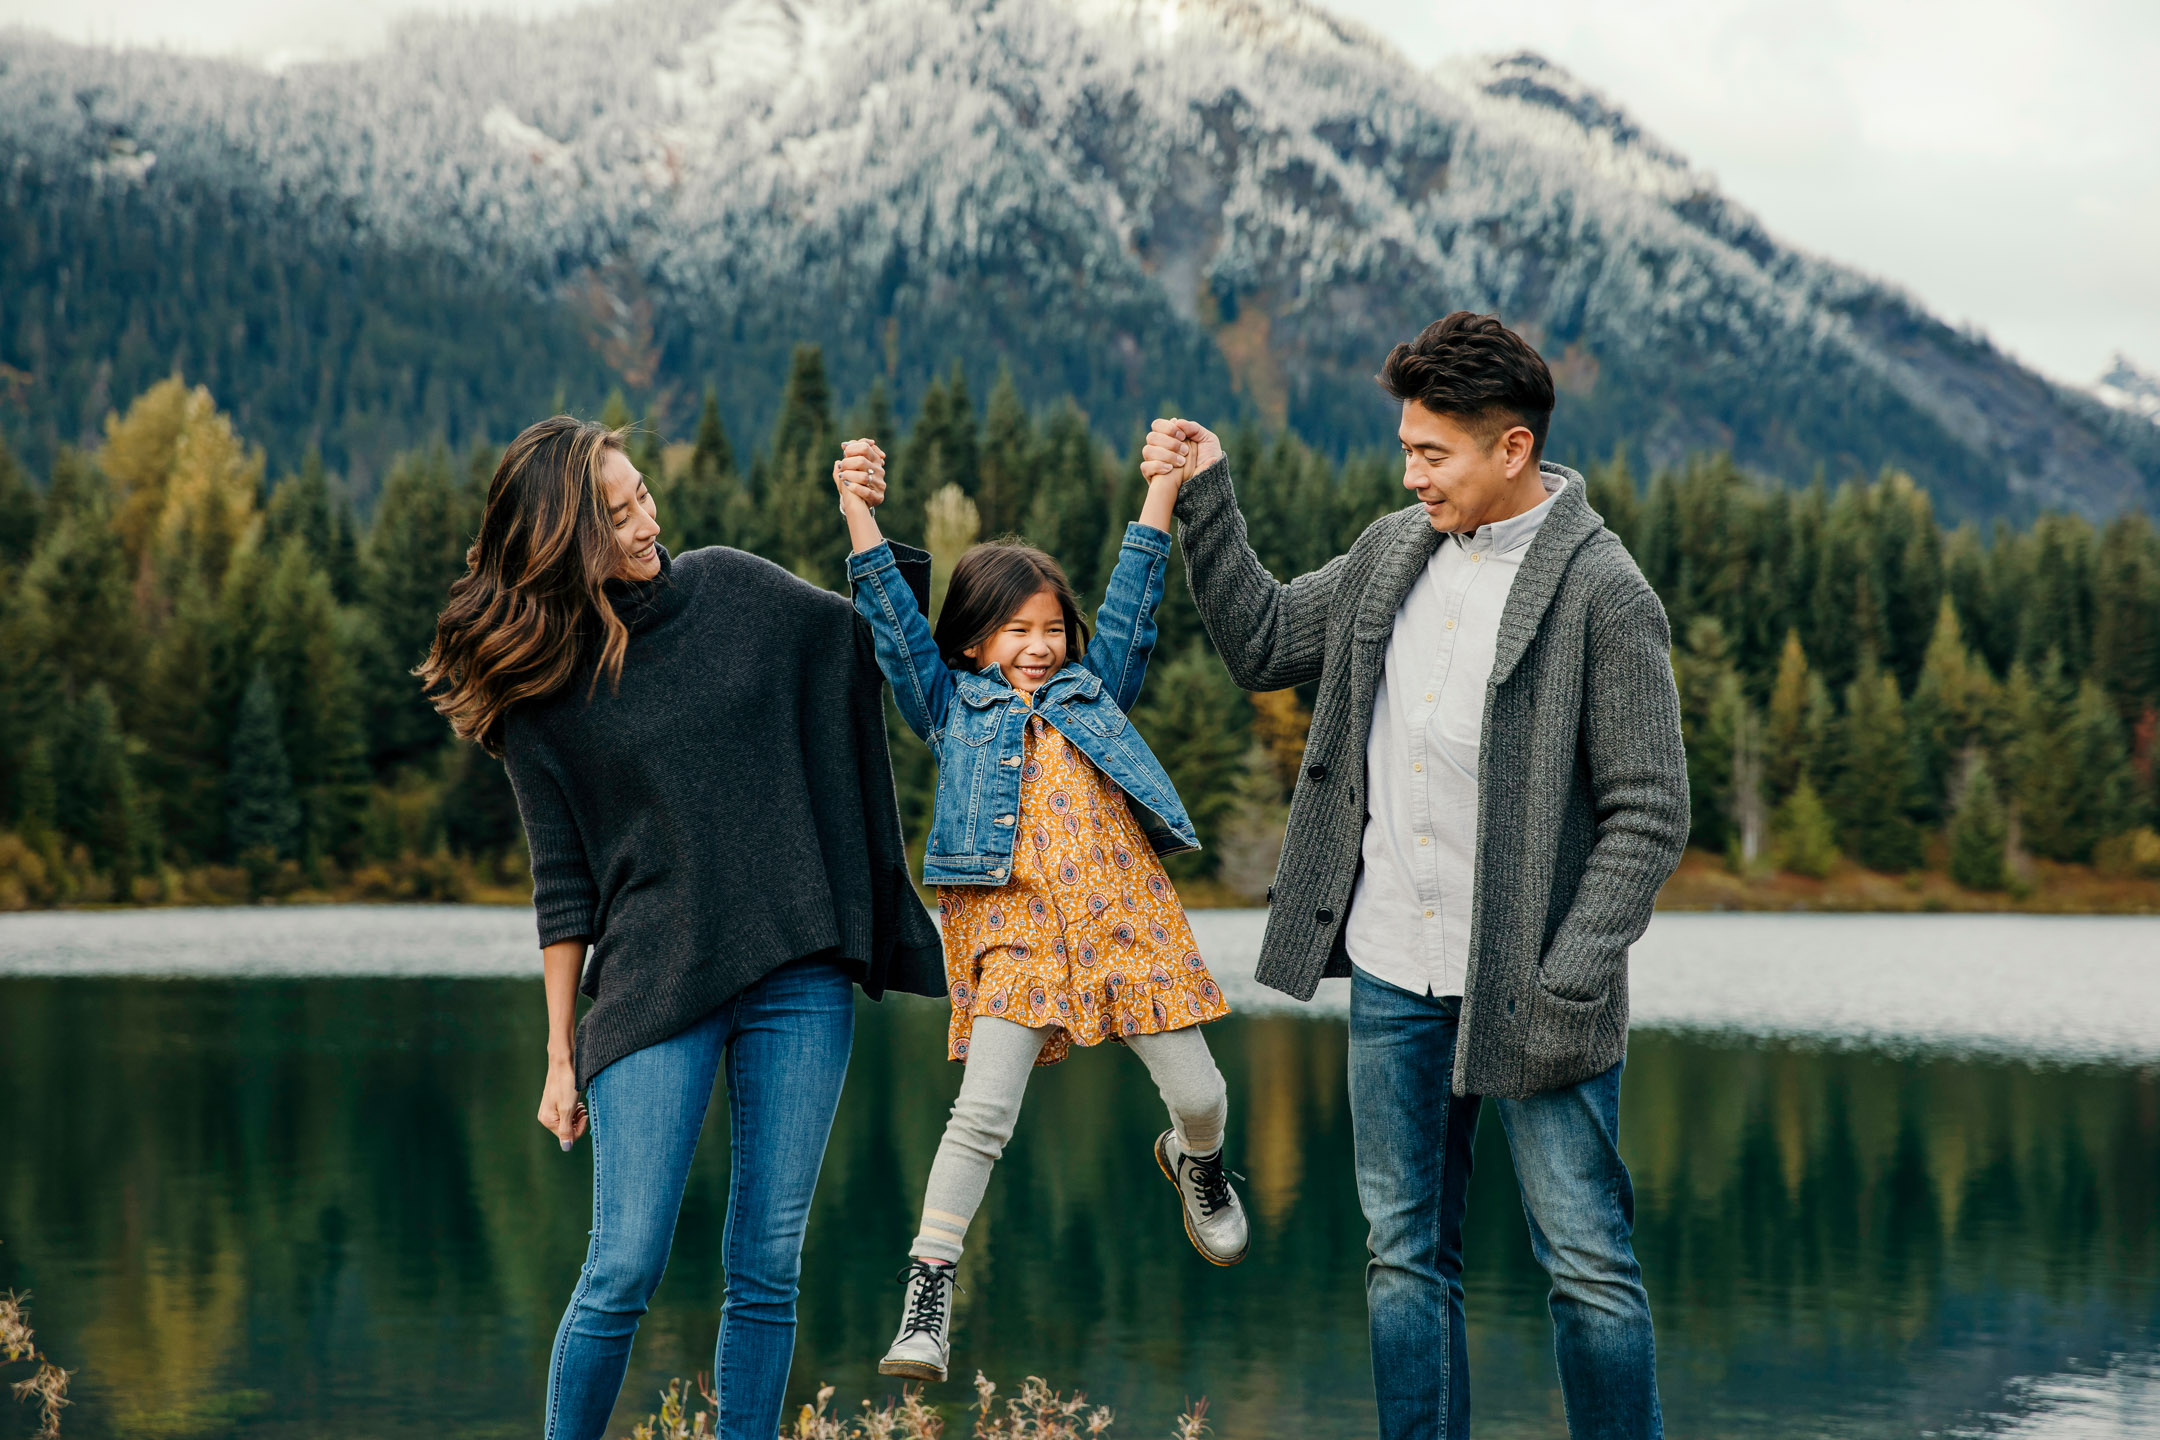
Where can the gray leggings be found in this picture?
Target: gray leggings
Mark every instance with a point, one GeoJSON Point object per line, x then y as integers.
{"type": "Point", "coordinates": [1000, 1055]}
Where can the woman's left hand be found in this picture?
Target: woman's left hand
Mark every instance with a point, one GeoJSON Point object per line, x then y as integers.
{"type": "Point", "coordinates": [860, 474]}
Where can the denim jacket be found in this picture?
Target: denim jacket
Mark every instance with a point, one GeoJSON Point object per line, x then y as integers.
{"type": "Point", "coordinates": [975, 722]}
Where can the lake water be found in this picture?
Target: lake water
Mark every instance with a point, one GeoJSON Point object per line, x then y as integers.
{"type": "Point", "coordinates": [274, 1173]}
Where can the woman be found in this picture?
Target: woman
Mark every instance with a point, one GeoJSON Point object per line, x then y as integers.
{"type": "Point", "coordinates": [698, 749]}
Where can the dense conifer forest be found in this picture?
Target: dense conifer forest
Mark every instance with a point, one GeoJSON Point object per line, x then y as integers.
{"type": "Point", "coordinates": [205, 651]}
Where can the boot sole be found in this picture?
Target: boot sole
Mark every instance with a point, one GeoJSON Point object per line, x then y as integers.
{"type": "Point", "coordinates": [911, 1370]}
{"type": "Point", "coordinates": [1162, 1163]}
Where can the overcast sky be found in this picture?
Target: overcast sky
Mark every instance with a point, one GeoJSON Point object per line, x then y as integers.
{"type": "Point", "coordinates": [2000, 159]}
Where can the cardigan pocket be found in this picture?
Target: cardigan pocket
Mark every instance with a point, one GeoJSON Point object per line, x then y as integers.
{"type": "Point", "coordinates": [1559, 1029]}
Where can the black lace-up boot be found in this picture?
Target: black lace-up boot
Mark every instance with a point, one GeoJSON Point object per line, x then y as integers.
{"type": "Point", "coordinates": [1214, 1216]}
{"type": "Point", "coordinates": [924, 1345]}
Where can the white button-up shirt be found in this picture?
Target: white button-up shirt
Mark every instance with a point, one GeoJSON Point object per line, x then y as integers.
{"type": "Point", "coordinates": [1410, 915]}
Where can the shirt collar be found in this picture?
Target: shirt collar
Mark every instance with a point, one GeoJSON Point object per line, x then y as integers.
{"type": "Point", "coordinates": [1503, 536]}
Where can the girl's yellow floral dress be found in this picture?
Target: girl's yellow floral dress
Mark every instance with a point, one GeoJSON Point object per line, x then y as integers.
{"type": "Point", "coordinates": [1088, 935]}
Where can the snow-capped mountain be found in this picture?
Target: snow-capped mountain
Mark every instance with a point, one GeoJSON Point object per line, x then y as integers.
{"type": "Point", "coordinates": [2125, 387]}
{"type": "Point", "coordinates": [1232, 203]}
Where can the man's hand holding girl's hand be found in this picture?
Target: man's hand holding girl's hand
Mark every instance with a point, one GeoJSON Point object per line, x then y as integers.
{"type": "Point", "coordinates": [1177, 450]}
{"type": "Point", "coordinates": [859, 474]}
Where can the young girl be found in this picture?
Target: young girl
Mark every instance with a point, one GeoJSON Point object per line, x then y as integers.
{"type": "Point", "coordinates": [1060, 926]}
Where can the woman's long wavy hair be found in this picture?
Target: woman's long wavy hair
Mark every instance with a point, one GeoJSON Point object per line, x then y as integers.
{"type": "Point", "coordinates": [530, 607]}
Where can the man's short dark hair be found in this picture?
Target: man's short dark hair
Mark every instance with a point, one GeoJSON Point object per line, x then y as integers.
{"type": "Point", "coordinates": [1477, 372]}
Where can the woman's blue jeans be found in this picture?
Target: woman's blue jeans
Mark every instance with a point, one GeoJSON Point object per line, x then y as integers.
{"type": "Point", "coordinates": [785, 1042]}
{"type": "Point", "coordinates": [1413, 1136]}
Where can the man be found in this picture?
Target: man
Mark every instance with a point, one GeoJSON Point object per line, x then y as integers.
{"type": "Point", "coordinates": [1493, 793]}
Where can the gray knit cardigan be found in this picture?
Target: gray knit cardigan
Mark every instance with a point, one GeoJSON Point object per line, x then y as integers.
{"type": "Point", "coordinates": [1582, 783]}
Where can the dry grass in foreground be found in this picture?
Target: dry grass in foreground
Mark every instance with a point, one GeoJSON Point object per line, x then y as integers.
{"type": "Point", "coordinates": [47, 1384]}
{"type": "Point", "coordinates": [1036, 1413]}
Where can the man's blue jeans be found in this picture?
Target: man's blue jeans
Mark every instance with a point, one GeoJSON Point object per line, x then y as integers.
{"type": "Point", "coordinates": [785, 1042]}
{"type": "Point", "coordinates": [1413, 1137]}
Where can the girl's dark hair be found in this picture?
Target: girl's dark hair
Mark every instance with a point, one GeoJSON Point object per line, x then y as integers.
{"type": "Point", "coordinates": [1477, 371]}
{"type": "Point", "coordinates": [526, 613]}
{"type": "Point", "coordinates": [989, 585]}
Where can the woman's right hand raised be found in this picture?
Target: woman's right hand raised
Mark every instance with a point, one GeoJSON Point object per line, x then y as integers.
{"type": "Point", "coordinates": [561, 1111]}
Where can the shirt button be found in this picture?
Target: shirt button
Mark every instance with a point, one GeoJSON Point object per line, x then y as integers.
{"type": "Point", "coordinates": [1428, 694]}
{"type": "Point", "coordinates": [1418, 765]}
{"type": "Point", "coordinates": [1450, 624]}
{"type": "Point", "coordinates": [1475, 557]}
{"type": "Point", "coordinates": [1424, 840]}
{"type": "Point", "coordinates": [1428, 914]}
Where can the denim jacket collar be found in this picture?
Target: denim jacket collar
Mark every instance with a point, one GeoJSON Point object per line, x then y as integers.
{"type": "Point", "coordinates": [981, 687]}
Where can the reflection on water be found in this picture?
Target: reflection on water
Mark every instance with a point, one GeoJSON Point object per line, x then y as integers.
{"type": "Point", "coordinates": [321, 1208]}
{"type": "Point", "coordinates": [2054, 986]}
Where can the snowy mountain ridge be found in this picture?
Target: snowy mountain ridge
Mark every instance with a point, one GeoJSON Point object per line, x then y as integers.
{"type": "Point", "coordinates": [1196, 195]}
{"type": "Point", "coordinates": [2127, 388]}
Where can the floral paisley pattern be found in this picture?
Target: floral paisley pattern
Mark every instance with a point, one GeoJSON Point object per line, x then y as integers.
{"type": "Point", "coordinates": [1088, 936]}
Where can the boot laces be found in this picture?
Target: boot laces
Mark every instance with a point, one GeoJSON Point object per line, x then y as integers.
{"type": "Point", "coordinates": [928, 1297]}
{"type": "Point", "coordinates": [1209, 1183]}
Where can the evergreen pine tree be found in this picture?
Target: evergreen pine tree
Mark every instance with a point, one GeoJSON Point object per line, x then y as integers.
{"type": "Point", "coordinates": [952, 524]}
{"type": "Point", "coordinates": [424, 522]}
{"type": "Point", "coordinates": [803, 525]}
{"type": "Point", "coordinates": [307, 646]}
{"type": "Point", "coordinates": [960, 446]}
{"type": "Point", "coordinates": [711, 449]}
{"type": "Point", "coordinates": [1068, 511]}
{"type": "Point", "coordinates": [2097, 800]}
{"type": "Point", "coordinates": [22, 513]}
{"type": "Point", "coordinates": [30, 690]}
{"type": "Point", "coordinates": [190, 691]}
{"type": "Point", "coordinates": [82, 597]}
{"type": "Point", "coordinates": [1979, 831]}
{"type": "Point", "coordinates": [1948, 710]}
{"type": "Point", "coordinates": [1007, 461]}
{"type": "Point", "coordinates": [1845, 611]}
{"type": "Point", "coordinates": [300, 507]}
{"type": "Point", "coordinates": [262, 815]}
{"type": "Point", "coordinates": [2035, 715]}
{"type": "Point", "coordinates": [914, 469]}
{"type": "Point", "coordinates": [96, 785]}
{"type": "Point", "coordinates": [1911, 563]}
{"type": "Point", "coordinates": [1873, 793]}
{"type": "Point", "coordinates": [1709, 690]}
{"type": "Point", "coordinates": [1199, 725]}
{"type": "Point", "coordinates": [1806, 840]}
{"type": "Point", "coordinates": [2126, 615]}
{"type": "Point", "coordinates": [702, 503]}
{"type": "Point", "coordinates": [479, 809]}
{"type": "Point", "coordinates": [2055, 593]}
{"type": "Point", "coordinates": [38, 792]}
{"type": "Point", "coordinates": [1968, 583]}
{"type": "Point", "coordinates": [1785, 740]}
{"type": "Point", "coordinates": [1610, 489]}
{"type": "Point", "coordinates": [805, 426]}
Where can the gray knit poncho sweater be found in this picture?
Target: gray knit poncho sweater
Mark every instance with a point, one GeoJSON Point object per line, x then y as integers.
{"type": "Point", "coordinates": [727, 809]}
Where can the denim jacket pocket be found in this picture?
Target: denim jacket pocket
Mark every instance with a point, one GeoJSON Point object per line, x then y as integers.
{"type": "Point", "coordinates": [975, 721]}
{"type": "Point", "coordinates": [1101, 716]}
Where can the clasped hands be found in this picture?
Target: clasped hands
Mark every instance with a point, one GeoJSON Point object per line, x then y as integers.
{"type": "Point", "coordinates": [1174, 450]}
